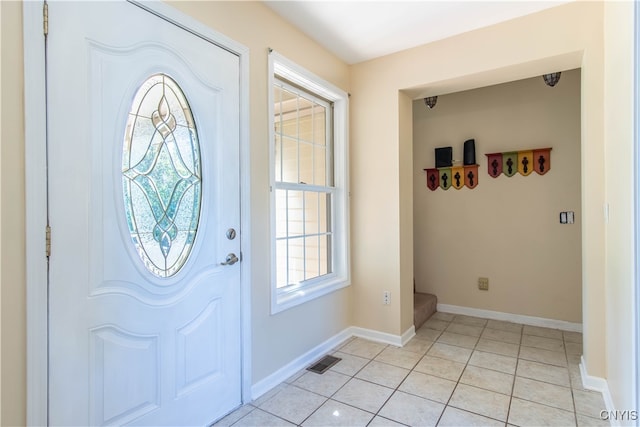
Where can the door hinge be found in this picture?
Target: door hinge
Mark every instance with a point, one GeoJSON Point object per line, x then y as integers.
{"type": "Point", "coordinates": [48, 241]}
{"type": "Point", "coordinates": [45, 18]}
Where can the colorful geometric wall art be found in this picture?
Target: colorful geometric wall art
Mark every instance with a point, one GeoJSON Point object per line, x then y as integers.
{"type": "Point", "coordinates": [523, 162]}
{"type": "Point", "coordinates": [455, 176]}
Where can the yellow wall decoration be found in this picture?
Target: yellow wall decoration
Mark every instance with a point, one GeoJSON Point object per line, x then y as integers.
{"type": "Point", "coordinates": [525, 162]}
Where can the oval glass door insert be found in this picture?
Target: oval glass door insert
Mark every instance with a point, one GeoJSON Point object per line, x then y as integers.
{"type": "Point", "coordinates": [161, 175]}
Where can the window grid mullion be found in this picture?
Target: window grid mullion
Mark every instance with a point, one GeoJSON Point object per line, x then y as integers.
{"type": "Point", "coordinates": [328, 135]}
{"type": "Point", "coordinates": [304, 187]}
{"type": "Point", "coordinates": [313, 143]}
{"type": "Point", "coordinates": [328, 233]}
{"type": "Point", "coordinates": [280, 142]}
{"type": "Point", "coordinates": [313, 176]}
{"type": "Point", "coordinates": [287, 234]}
{"type": "Point", "coordinates": [298, 136]}
{"type": "Point", "coordinates": [281, 138]}
{"type": "Point", "coordinates": [304, 239]}
{"type": "Point", "coordinates": [318, 237]}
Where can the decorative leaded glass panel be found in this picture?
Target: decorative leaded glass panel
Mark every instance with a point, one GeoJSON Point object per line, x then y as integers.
{"type": "Point", "coordinates": [161, 175]}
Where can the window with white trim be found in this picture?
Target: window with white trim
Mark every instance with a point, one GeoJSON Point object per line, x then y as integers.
{"type": "Point", "coordinates": [309, 195]}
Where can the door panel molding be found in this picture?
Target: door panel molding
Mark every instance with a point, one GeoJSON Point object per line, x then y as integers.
{"type": "Point", "coordinates": [36, 196]}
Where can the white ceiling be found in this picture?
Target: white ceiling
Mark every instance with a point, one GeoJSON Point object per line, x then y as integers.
{"type": "Point", "coordinates": [357, 31]}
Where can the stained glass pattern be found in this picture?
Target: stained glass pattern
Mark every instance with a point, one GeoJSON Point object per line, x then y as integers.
{"type": "Point", "coordinates": [161, 175]}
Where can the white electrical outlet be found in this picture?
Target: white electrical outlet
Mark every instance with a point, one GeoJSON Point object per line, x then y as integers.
{"type": "Point", "coordinates": [386, 298]}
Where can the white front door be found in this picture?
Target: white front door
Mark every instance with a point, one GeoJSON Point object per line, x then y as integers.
{"type": "Point", "coordinates": [143, 155]}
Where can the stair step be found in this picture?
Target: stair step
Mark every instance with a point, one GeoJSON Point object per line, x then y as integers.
{"type": "Point", "coordinates": [424, 305]}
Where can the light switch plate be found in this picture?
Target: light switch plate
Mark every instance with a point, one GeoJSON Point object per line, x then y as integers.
{"type": "Point", "coordinates": [563, 217]}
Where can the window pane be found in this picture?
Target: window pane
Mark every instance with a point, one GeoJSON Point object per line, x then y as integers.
{"type": "Point", "coordinates": [312, 268]}
{"type": "Point", "coordinates": [281, 213]}
{"type": "Point", "coordinates": [302, 233]}
{"type": "Point", "coordinates": [305, 119]}
{"type": "Point", "coordinates": [319, 125]}
{"type": "Point", "coordinates": [289, 160]}
{"type": "Point", "coordinates": [324, 215]}
{"type": "Point", "coordinates": [278, 157]}
{"type": "Point", "coordinates": [325, 254]}
{"type": "Point", "coordinates": [296, 260]}
{"type": "Point", "coordinates": [305, 107]}
{"type": "Point", "coordinates": [311, 212]}
{"type": "Point", "coordinates": [305, 126]}
{"type": "Point", "coordinates": [281, 263]}
{"type": "Point", "coordinates": [306, 163]}
{"type": "Point", "coordinates": [320, 165]}
{"type": "Point", "coordinates": [285, 111]}
{"type": "Point", "coordinates": [289, 126]}
{"type": "Point", "coordinates": [288, 99]}
{"type": "Point", "coordinates": [295, 213]}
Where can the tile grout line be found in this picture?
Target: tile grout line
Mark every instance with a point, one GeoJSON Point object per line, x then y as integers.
{"type": "Point", "coordinates": [573, 399]}
{"type": "Point", "coordinates": [515, 376]}
{"type": "Point", "coordinates": [518, 359]}
{"type": "Point", "coordinates": [459, 377]}
{"type": "Point", "coordinates": [397, 388]}
{"type": "Point", "coordinates": [326, 398]}
{"type": "Point", "coordinates": [341, 387]}
{"type": "Point", "coordinates": [462, 373]}
{"type": "Point", "coordinates": [377, 413]}
{"type": "Point", "coordinates": [422, 355]}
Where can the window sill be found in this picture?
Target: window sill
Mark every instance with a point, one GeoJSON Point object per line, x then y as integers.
{"type": "Point", "coordinates": [281, 300]}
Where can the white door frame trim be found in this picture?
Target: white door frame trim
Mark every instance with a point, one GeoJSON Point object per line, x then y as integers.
{"type": "Point", "coordinates": [36, 197]}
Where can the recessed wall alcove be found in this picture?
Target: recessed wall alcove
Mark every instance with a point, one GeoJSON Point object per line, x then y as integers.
{"type": "Point", "coordinates": [506, 229]}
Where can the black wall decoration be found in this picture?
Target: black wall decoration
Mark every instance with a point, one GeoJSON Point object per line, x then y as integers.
{"type": "Point", "coordinates": [444, 157]}
{"type": "Point", "coordinates": [469, 152]}
{"type": "Point", "coordinates": [445, 175]}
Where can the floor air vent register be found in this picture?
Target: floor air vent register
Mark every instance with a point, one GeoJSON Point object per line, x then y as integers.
{"type": "Point", "coordinates": [322, 365]}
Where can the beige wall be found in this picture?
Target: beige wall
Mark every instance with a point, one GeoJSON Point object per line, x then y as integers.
{"type": "Point", "coordinates": [506, 229]}
{"type": "Point", "coordinates": [619, 146]}
{"type": "Point", "coordinates": [405, 136]}
{"type": "Point", "coordinates": [529, 46]}
{"type": "Point", "coordinates": [13, 369]}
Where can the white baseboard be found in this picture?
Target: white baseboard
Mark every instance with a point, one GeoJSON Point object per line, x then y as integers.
{"type": "Point", "coordinates": [301, 362]}
{"type": "Point", "coordinates": [287, 371]}
{"type": "Point", "coordinates": [600, 385]}
{"type": "Point", "coordinates": [509, 317]}
{"type": "Point", "coordinates": [408, 334]}
{"type": "Point", "coordinates": [383, 337]}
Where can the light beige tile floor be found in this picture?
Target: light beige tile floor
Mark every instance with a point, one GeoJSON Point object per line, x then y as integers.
{"type": "Point", "coordinates": [456, 371]}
